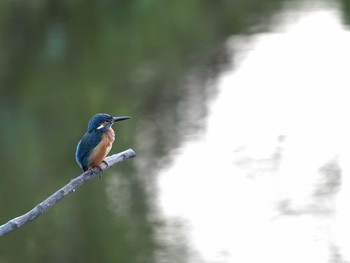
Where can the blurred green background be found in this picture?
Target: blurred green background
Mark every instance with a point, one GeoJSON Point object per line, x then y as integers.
{"type": "Point", "coordinates": [63, 61]}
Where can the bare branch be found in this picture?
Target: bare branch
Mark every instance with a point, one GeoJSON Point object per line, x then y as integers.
{"type": "Point", "coordinates": [39, 209]}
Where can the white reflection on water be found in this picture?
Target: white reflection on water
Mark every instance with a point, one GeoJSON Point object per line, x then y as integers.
{"type": "Point", "coordinates": [267, 182]}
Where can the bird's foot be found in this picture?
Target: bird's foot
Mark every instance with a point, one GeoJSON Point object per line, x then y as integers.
{"type": "Point", "coordinates": [100, 168]}
{"type": "Point", "coordinates": [105, 163]}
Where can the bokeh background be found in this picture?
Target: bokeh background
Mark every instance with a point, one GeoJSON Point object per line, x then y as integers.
{"type": "Point", "coordinates": [239, 121]}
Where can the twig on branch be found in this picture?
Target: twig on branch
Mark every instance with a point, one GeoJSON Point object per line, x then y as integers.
{"type": "Point", "coordinates": [39, 209]}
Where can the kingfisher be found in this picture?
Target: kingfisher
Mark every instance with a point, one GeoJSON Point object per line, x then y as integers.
{"type": "Point", "coordinates": [97, 141]}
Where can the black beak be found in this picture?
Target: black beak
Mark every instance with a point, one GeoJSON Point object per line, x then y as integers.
{"type": "Point", "coordinates": [120, 118]}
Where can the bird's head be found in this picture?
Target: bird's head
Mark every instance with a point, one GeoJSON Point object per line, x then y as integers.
{"type": "Point", "coordinates": [103, 120]}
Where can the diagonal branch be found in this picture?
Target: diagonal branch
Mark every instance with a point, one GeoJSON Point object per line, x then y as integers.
{"type": "Point", "coordinates": [39, 209]}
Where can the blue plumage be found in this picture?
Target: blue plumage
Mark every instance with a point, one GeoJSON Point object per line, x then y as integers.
{"type": "Point", "coordinates": [97, 141]}
{"type": "Point", "coordinates": [85, 146]}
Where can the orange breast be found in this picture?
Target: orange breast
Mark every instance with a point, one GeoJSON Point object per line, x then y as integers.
{"type": "Point", "coordinates": [102, 149]}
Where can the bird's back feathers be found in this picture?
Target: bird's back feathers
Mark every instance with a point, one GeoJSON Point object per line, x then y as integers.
{"type": "Point", "coordinates": [85, 146]}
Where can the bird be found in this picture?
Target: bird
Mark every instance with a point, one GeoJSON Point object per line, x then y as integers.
{"type": "Point", "coordinates": [97, 141]}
